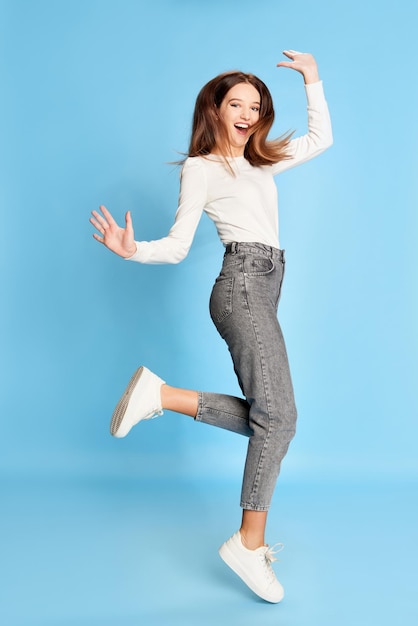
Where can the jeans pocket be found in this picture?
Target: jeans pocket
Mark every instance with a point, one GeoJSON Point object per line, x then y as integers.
{"type": "Point", "coordinates": [220, 304]}
{"type": "Point", "coordinates": [258, 266]}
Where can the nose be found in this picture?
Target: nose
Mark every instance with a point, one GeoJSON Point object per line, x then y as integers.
{"type": "Point", "coordinates": [245, 114]}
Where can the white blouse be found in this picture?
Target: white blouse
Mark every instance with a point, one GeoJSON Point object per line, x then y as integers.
{"type": "Point", "coordinates": [243, 207]}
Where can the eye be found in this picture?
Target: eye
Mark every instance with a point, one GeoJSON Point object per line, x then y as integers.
{"type": "Point", "coordinates": [256, 109]}
{"type": "Point", "coordinates": [234, 104]}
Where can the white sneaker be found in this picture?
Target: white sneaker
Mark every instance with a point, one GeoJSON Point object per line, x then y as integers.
{"type": "Point", "coordinates": [140, 401]}
{"type": "Point", "coordinates": [254, 567]}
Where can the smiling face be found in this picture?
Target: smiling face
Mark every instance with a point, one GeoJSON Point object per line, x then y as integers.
{"type": "Point", "coordinates": [239, 111]}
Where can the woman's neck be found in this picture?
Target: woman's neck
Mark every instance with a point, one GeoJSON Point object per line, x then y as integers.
{"type": "Point", "coordinates": [232, 152]}
{"type": "Point", "coordinates": [231, 155]}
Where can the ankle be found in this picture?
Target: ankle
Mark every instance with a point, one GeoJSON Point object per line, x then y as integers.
{"type": "Point", "coordinates": [250, 540]}
{"type": "Point", "coordinates": [164, 395]}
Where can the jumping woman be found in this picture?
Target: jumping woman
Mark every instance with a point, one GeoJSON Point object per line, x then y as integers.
{"type": "Point", "coordinates": [229, 174]}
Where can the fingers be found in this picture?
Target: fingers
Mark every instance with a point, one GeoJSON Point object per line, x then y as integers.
{"type": "Point", "coordinates": [290, 54]}
{"type": "Point", "coordinates": [99, 222]}
{"type": "Point", "coordinates": [98, 238]}
{"type": "Point", "coordinates": [107, 214]}
{"type": "Point", "coordinates": [102, 222]}
{"type": "Point", "coordinates": [302, 62]}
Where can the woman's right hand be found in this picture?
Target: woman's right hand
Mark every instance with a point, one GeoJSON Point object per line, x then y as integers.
{"type": "Point", "coordinates": [119, 240]}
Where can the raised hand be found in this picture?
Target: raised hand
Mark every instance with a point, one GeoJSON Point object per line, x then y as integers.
{"type": "Point", "coordinates": [302, 62]}
{"type": "Point", "coordinates": [118, 240]}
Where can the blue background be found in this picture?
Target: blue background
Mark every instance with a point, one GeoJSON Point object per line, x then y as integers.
{"type": "Point", "coordinates": [97, 98]}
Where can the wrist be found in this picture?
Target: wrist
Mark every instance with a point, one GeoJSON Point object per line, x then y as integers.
{"type": "Point", "coordinates": [311, 77]}
{"type": "Point", "coordinates": [130, 252]}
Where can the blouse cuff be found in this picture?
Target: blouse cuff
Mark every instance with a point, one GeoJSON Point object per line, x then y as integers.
{"type": "Point", "coordinates": [314, 93]}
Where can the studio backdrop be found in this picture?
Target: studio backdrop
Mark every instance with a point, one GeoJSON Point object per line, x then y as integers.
{"type": "Point", "coordinates": [96, 106]}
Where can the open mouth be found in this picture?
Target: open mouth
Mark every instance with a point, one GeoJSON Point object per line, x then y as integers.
{"type": "Point", "coordinates": [242, 128]}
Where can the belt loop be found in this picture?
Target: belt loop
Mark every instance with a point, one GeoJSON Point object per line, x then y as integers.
{"type": "Point", "coordinates": [234, 247]}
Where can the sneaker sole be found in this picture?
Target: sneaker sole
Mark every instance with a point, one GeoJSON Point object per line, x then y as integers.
{"type": "Point", "coordinates": [230, 559]}
{"type": "Point", "coordinates": [122, 405]}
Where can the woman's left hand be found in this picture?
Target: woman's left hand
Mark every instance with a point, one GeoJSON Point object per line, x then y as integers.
{"type": "Point", "coordinates": [302, 62]}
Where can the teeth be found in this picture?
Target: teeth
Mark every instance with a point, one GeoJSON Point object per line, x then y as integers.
{"type": "Point", "coordinates": [241, 125]}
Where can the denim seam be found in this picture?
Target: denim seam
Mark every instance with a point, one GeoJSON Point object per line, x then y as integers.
{"type": "Point", "coordinates": [226, 416]}
{"type": "Point", "coordinates": [198, 417]}
{"type": "Point", "coordinates": [253, 507]}
{"type": "Point", "coordinates": [261, 459]}
{"type": "Point", "coordinates": [281, 285]}
{"type": "Point", "coordinates": [212, 410]}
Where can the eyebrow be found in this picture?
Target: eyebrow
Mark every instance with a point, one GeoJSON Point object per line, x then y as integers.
{"type": "Point", "coordinates": [240, 100]}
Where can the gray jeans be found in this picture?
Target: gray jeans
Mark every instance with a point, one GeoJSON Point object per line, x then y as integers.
{"type": "Point", "coordinates": [243, 307]}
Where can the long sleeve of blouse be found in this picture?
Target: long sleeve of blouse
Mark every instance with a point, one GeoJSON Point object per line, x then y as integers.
{"type": "Point", "coordinates": [243, 206]}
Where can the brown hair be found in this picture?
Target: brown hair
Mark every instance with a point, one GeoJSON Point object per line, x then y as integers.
{"type": "Point", "coordinates": [209, 132]}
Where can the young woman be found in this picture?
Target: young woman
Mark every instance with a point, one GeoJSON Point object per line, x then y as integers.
{"type": "Point", "coordinates": [229, 175]}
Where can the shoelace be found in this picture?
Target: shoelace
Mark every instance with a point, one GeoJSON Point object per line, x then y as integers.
{"type": "Point", "coordinates": [268, 558]}
{"type": "Point", "coordinates": [270, 552]}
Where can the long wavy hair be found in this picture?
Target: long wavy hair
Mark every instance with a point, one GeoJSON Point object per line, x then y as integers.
{"type": "Point", "coordinates": [209, 132]}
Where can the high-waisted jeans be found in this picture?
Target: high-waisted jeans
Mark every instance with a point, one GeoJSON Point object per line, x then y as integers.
{"type": "Point", "coordinates": [243, 307]}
